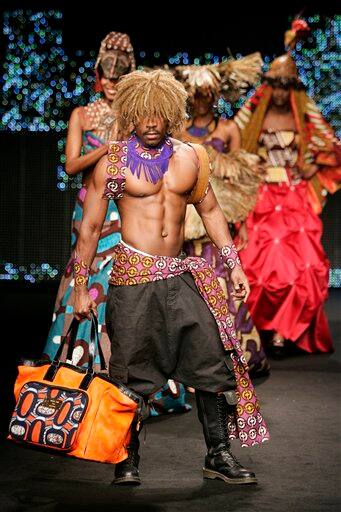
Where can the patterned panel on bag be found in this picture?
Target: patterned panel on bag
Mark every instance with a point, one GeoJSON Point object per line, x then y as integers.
{"type": "Point", "coordinates": [48, 415]}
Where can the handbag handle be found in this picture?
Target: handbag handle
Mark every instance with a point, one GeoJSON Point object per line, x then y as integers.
{"type": "Point", "coordinates": [94, 340]}
{"type": "Point", "coordinates": [92, 347]}
{"type": "Point", "coordinates": [71, 330]}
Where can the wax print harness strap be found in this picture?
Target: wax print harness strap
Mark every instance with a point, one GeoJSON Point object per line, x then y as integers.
{"type": "Point", "coordinates": [132, 267]}
{"type": "Point", "coordinates": [117, 166]}
{"type": "Point", "coordinates": [116, 180]}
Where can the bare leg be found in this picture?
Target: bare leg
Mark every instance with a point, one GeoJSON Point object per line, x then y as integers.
{"type": "Point", "coordinates": [277, 346]}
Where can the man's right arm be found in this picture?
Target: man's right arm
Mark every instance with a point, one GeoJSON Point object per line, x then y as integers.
{"type": "Point", "coordinates": [95, 208]}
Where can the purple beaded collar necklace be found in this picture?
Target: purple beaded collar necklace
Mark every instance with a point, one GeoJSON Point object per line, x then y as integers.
{"type": "Point", "coordinates": [153, 162]}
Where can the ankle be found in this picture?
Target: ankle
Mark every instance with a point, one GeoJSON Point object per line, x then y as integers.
{"type": "Point", "coordinates": [278, 340]}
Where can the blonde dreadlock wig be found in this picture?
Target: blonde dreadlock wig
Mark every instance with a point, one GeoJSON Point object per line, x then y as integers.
{"type": "Point", "coordinates": [141, 95]}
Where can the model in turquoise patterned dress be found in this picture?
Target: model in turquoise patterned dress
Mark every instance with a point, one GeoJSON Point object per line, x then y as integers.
{"type": "Point", "coordinates": [63, 312]}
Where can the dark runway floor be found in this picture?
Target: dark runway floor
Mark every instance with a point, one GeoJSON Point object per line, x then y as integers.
{"type": "Point", "coordinates": [298, 470]}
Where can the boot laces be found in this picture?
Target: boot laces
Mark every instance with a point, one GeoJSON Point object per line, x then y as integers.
{"type": "Point", "coordinates": [227, 455]}
{"type": "Point", "coordinates": [222, 419]}
{"type": "Point", "coordinates": [223, 430]}
{"type": "Point", "coordinates": [133, 457]}
{"type": "Point", "coordinates": [133, 453]}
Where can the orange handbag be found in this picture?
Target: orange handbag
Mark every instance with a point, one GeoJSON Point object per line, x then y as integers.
{"type": "Point", "coordinates": [66, 408]}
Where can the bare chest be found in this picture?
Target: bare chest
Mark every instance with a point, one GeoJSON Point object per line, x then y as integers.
{"type": "Point", "coordinates": [277, 122]}
{"type": "Point", "coordinates": [179, 179]}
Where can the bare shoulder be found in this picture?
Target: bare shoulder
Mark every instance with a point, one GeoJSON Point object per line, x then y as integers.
{"type": "Point", "coordinates": [77, 111]}
{"type": "Point", "coordinates": [227, 125]}
{"type": "Point", "coordinates": [77, 115]}
{"type": "Point", "coordinates": [180, 146]}
{"type": "Point", "coordinates": [184, 150]}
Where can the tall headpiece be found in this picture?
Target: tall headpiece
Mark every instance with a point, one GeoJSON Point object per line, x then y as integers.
{"type": "Point", "coordinates": [283, 71]}
{"type": "Point", "coordinates": [116, 56]}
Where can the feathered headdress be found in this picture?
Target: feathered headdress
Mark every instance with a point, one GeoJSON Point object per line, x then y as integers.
{"type": "Point", "coordinates": [230, 78]}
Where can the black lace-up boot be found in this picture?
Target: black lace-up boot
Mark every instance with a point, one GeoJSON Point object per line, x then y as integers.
{"type": "Point", "coordinates": [219, 461]}
{"type": "Point", "coordinates": [127, 471]}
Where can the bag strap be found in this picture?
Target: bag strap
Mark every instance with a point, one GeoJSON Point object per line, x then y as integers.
{"type": "Point", "coordinates": [94, 340]}
{"type": "Point", "coordinates": [72, 332]}
{"type": "Point", "coordinates": [200, 188]}
{"type": "Point", "coordinates": [92, 346]}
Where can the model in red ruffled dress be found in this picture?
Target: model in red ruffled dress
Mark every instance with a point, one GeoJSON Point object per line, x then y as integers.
{"type": "Point", "coordinates": [284, 259]}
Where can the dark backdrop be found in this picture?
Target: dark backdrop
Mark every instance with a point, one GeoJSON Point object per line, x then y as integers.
{"type": "Point", "coordinates": [35, 214]}
{"type": "Point", "coordinates": [172, 26]}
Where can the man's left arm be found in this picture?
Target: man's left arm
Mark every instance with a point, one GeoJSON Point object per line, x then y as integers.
{"type": "Point", "coordinates": [218, 231]}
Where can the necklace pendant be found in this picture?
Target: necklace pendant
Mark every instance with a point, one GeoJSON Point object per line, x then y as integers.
{"type": "Point", "coordinates": [152, 163]}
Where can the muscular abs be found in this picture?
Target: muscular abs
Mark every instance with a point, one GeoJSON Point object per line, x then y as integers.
{"type": "Point", "coordinates": [153, 215]}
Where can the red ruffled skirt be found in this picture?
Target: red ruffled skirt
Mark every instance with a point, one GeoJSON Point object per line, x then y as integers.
{"type": "Point", "coordinates": [287, 267]}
